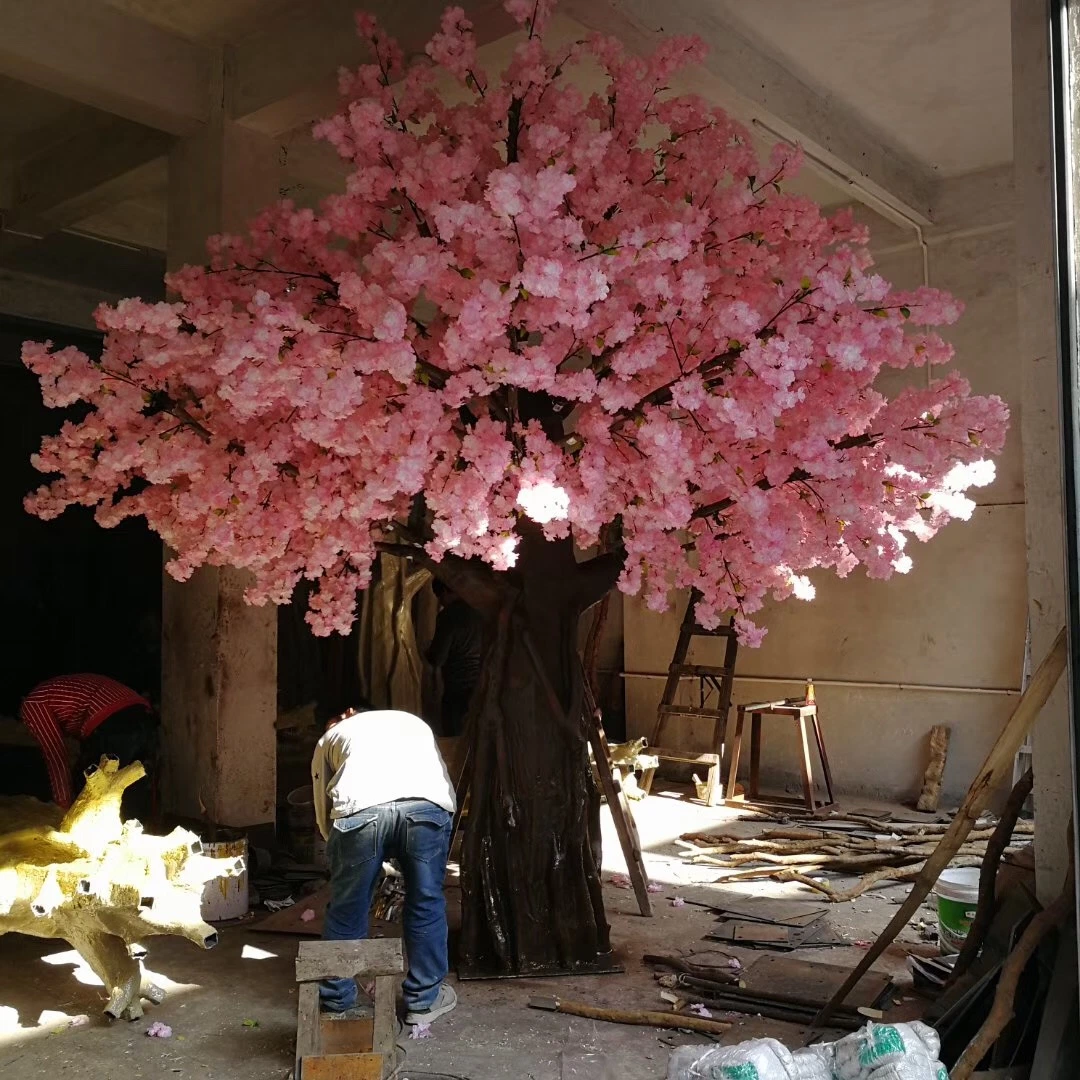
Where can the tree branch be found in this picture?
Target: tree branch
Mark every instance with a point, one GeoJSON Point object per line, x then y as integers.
{"type": "Point", "coordinates": [1003, 1008]}
{"type": "Point", "coordinates": [475, 582]}
{"type": "Point", "coordinates": [797, 475]}
{"type": "Point", "coordinates": [513, 130]}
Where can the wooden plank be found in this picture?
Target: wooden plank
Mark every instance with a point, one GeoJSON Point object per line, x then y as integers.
{"type": "Point", "coordinates": [760, 932]}
{"type": "Point", "coordinates": [382, 1037]}
{"type": "Point", "coordinates": [621, 814]}
{"type": "Point", "coordinates": [340, 959]}
{"type": "Point", "coordinates": [343, 1067]}
{"type": "Point", "coordinates": [692, 710]}
{"type": "Point", "coordinates": [340, 1036]}
{"type": "Point", "coordinates": [307, 1023]}
{"type": "Point", "coordinates": [699, 670]}
{"type": "Point", "coordinates": [810, 982]}
{"type": "Point", "coordinates": [690, 757]}
{"type": "Point", "coordinates": [290, 920]}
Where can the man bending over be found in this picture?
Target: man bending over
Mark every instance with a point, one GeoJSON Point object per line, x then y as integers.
{"type": "Point", "coordinates": [382, 792]}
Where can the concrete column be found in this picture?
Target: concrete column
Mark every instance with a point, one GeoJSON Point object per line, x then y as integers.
{"type": "Point", "coordinates": [1040, 423]}
{"type": "Point", "coordinates": [219, 655]}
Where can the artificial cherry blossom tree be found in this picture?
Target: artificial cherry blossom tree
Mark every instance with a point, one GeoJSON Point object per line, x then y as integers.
{"type": "Point", "coordinates": [537, 321]}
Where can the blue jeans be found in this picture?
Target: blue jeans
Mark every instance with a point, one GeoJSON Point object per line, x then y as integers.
{"type": "Point", "coordinates": [416, 833]}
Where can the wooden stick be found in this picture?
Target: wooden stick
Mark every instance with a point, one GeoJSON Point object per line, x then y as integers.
{"type": "Point", "coordinates": [867, 881]}
{"type": "Point", "coordinates": [984, 912]}
{"type": "Point", "coordinates": [701, 971]}
{"type": "Point", "coordinates": [998, 764]}
{"type": "Point", "coordinates": [631, 1016]}
{"type": "Point", "coordinates": [939, 749]}
{"type": "Point", "coordinates": [1002, 1011]}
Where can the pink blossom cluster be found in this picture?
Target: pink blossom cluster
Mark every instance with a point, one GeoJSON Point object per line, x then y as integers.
{"type": "Point", "coordinates": [587, 308]}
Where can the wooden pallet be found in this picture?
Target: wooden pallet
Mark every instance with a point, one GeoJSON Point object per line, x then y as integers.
{"type": "Point", "coordinates": [361, 1049]}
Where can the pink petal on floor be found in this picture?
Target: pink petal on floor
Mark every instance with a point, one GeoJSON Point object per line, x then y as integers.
{"type": "Point", "coordinates": [420, 1031]}
{"type": "Point", "coordinates": [699, 1010]}
{"type": "Point", "coordinates": [79, 1021]}
{"type": "Point", "coordinates": [678, 901]}
{"type": "Point", "coordinates": [654, 887]}
{"type": "Point", "coordinates": [620, 881]}
{"type": "Point", "coordinates": [158, 1030]}
{"type": "Point", "coordinates": [307, 915]}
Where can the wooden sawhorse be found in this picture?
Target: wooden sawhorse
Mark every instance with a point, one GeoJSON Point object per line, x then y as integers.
{"type": "Point", "coordinates": [805, 716]}
{"type": "Point", "coordinates": [361, 1049]}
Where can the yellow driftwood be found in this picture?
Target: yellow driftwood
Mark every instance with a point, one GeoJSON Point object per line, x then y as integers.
{"type": "Point", "coordinates": [101, 883]}
{"type": "Point", "coordinates": [935, 770]}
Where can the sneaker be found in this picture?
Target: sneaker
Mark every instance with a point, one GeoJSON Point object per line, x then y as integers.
{"type": "Point", "coordinates": [446, 1001]}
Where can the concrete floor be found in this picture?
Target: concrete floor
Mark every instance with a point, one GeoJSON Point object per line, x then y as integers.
{"type": "Point", "coordinates": [233, 1015]}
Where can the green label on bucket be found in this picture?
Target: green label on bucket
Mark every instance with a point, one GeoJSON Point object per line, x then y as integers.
{"type": "Point", "coordinates": [954, 920]}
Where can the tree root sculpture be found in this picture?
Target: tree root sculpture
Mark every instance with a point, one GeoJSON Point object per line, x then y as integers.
{"type": "Point", "coordinates": [102, 884]}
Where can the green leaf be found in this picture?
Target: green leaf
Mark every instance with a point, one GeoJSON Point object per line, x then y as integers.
{"type": "Point", "coordinates": [906, 312]}
{"type": "Point", "coordinates": [805, 284]}
{"type": "Point", "coordinates": [250, 1023]}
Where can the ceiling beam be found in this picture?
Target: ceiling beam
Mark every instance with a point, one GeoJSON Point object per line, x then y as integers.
{"type": "Point", "coordinates": [28, 296]}
{"type": "Point", "coordinates": [94, 54]}
{"type": "Point", "coordinates": [284, 74]}
{"type": "Point", "coordinates": [760, 91]}
{"type": "Point", "coordinates": [98, 164]}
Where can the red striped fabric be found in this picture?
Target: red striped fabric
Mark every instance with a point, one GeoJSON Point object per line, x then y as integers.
{"type": "Point", "coordinates": [71, 705]}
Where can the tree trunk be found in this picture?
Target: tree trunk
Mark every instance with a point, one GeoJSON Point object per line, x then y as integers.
{"type": "Point", "coordinates": [531, 894]}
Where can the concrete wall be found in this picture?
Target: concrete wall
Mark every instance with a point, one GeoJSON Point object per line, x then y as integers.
{"type": "Point", "coordinates": [943, 644]}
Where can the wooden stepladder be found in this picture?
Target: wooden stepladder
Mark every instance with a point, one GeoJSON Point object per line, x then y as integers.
{"type": "Point", "coordinates": [711, 679]}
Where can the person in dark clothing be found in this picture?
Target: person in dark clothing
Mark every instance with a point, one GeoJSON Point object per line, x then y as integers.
{"type": "Point", "coordinates": [456, 650]}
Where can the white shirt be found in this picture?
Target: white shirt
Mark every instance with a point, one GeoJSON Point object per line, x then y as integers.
{"type": "Point", "coordinates": [377, 757]}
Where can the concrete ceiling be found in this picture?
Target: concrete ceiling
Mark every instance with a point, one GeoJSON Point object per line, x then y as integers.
{"type": "Point", "coordinates": [934, 76]}
{"type": "Point", "coordinates": [887, 97]}
{"type": "Point", "coordinates": [208, 21]}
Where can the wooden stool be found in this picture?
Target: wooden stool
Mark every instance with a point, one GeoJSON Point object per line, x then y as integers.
{"type": "Point", "coordinates": [804, 714]}
{"type": "Point", "coordinates": [361, 1049]}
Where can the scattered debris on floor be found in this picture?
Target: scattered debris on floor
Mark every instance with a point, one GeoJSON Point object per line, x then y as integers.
{"type": "Point", "coordinates": [780, 988]}
{"type": "Point", "coordinates": [878, 850]}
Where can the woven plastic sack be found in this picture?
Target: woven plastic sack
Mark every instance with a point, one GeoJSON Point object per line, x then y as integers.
{"type": "Point", "coordinates": [915, 1066]}
{"type": "Point", "coordinates": [755, 1059]}
{"type": "Point", "coordinates": [813, 1063]}
{"type": "Point", "coordinates": [860, 1055]}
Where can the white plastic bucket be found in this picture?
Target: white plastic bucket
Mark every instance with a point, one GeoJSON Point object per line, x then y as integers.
{"type": "Point", "coordinates": [957, 892]}
{"type": "Point", "coordinates": [226, 898]}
